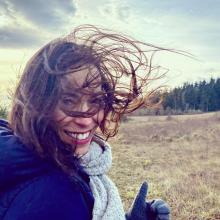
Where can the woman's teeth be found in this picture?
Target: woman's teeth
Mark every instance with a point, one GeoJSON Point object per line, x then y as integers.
{"type": "Point", "coordinates": [79, 136]}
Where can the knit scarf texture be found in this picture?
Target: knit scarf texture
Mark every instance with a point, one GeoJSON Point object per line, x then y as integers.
{"type": "Point", "coordinates": [97, 162]}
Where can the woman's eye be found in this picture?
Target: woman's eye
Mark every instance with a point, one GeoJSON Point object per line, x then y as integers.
{"type": "Point", "coordinates": [67, 101]}
{"type": "Point", "coordinates": [99, 101]}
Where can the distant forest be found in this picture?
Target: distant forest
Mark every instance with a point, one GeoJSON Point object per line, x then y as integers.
{"type": "Point", "coordinates": [190, 98]}
{"type": "Point", "coordinates": [200, 96]}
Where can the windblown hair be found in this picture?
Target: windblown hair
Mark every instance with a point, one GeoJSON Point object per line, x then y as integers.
{"type": "Point", "coordinates": [126, 71]}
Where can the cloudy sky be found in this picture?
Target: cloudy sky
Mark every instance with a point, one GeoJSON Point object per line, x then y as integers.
{"type": "Point", "coordinates": [189, 25]}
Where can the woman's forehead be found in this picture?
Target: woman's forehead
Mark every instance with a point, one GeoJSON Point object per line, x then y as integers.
{"type": "Point", "coordinates": [86, 78]}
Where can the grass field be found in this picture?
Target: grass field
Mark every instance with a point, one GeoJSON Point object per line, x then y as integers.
{"type": "Point", "coordinates": [179, 157]}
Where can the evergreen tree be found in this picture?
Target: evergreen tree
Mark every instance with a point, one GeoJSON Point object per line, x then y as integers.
{"type": "Point", "coordinates": [203, 96]}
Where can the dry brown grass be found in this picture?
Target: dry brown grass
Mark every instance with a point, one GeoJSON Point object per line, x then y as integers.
{"type": "Point", "coordinates": [179, 156]}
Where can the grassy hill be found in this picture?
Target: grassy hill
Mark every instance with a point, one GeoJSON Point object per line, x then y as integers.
{"type": "Point", "coordinates": [179, 156]}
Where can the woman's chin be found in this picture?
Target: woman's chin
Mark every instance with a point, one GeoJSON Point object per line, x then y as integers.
{"type": "Point", "coordinates": [82, 148]}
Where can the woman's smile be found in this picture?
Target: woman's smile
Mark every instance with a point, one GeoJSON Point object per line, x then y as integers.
{"type": "Point", "coordinates": [80, 138]}
{"type": "Point", "coordinates": [78, 135]}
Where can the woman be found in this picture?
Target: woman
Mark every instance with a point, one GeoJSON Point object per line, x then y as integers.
{"type": "Point", "coordinates": [68, 102]}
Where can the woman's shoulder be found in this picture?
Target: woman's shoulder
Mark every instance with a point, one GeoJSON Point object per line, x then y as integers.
{"type": "Point", "coordinates": [17, 163]}
{"type": "Point", "coordinates": [36, 186]}
{"type": "Point", "coordinates": [50, 196]}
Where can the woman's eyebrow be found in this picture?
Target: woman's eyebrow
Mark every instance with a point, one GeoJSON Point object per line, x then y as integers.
{"type": "Point", "coordinates": [68, 86]}
{"type": "Point", "coordinates": [70, 93]}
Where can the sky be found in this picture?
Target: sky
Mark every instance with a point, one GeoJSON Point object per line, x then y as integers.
{"type": "Point", "coordinates": [188, 25]}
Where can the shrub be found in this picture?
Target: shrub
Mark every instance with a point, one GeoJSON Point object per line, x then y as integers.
{"type": "Point", "coordinates": [3, 112]}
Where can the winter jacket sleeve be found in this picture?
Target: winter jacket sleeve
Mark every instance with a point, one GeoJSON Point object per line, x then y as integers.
{"type": "Point", "coordinates": [49, 197]}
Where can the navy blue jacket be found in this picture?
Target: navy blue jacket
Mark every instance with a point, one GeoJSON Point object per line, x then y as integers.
{"type": "Point", "coordinates": [34, 189]}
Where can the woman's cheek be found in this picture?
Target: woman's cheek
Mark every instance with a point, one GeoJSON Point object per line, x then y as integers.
{"type": "Point", "coordinates": [62, 135]}
{"type": "Point", "coordinates": [61, 118]}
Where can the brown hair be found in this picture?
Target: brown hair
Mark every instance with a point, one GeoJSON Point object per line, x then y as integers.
{"type": "Point", "coordinates": [124, 64]}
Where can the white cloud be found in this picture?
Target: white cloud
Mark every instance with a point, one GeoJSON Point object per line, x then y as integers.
{"type": "Point", "coordinates": [29, 23]}
{"type": "Point", "coordinates": [19, 37]}
{"type": "Point", "coordinates": [190, 25]}
{"type": "Point", "coordinates": [50, 14]}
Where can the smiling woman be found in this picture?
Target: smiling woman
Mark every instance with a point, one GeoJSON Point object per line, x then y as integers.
{"type": "Point", "coordinates": [68, 102]}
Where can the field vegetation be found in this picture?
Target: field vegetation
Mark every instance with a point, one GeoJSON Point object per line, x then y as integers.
{"type": "Point", "coordinates": [179, 157]}
{"type": "Point", "coordinates": [3, 112]}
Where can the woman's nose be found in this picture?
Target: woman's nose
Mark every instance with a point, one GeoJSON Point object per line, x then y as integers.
{"type": "Point", "coordinates": [82, 121]}
{"type": "Point", "coordinates": [83, 106]}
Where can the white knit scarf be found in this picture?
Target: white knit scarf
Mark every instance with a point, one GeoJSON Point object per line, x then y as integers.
{"type": "Point", "coordinates": [96, 162]}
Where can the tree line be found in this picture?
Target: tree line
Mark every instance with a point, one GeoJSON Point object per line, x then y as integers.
{"type": "Point", "coordinates": [200, 96]}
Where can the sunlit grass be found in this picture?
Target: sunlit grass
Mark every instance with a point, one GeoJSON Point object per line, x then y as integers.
{"type": "Point", "coordinates": [179, 158]}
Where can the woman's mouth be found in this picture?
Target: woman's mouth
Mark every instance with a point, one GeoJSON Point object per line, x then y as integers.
{"type": "Point", "coordinates": [80, 138]}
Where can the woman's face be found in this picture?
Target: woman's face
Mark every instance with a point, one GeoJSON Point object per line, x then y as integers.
{"type": "Point", "coordinates": [78, 131]}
